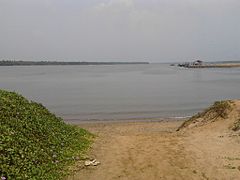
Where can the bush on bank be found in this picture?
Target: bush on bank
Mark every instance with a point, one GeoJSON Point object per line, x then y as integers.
{"type": "Point", "coordinates": [34, 143]}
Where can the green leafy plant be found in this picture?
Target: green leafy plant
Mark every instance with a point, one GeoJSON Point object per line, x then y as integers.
{"type": "Point", "coordinates": [34, 143]}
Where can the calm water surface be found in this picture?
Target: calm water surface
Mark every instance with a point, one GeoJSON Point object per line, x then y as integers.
{"type": "Point", "coordinates": [122, 91]}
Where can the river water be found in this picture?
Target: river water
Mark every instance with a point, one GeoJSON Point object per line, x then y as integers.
{"type": "Point", "coordinates": [115, 92]}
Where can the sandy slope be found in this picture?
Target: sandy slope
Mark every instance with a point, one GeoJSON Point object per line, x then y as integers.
{"type": "Point", "coordinates": [154, 150]}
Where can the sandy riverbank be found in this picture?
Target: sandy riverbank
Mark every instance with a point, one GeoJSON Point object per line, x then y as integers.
{"type": "Point", "coordinates": [224, 65]}
{"type": "Point", "coordinates": [155, 150]}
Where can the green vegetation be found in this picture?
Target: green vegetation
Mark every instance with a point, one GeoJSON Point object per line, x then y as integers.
{"type": "Point", "coordinates": [220, 109]}
{"type": "Point", "coordinates": [34, 143]}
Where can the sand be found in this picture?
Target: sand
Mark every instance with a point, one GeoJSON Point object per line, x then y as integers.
{"type": "Point", "coordinates": [154, 150]}
{"type": "Point", "coordinates": [223, 65]}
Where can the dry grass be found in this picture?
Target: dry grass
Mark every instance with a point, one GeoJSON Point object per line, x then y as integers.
{"type": "Point", "coordinates": [236, 125]}
{"type": "Point", "coordinates": [220, 109]}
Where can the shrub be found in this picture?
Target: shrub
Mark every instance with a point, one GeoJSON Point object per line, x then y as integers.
{"type": "Point", "coordinates": [236, 125]}
{"type": "Point", "coordinates": [218, 109]}
{"type": "Point", "coordinates": [34, 143]}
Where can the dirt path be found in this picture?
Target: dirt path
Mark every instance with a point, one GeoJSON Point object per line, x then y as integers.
{"type": "Point", "coordinates": [153, 150]}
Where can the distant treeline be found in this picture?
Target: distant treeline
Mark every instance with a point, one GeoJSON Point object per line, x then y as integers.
{"type": "Point", "coordinates": [41, 63]}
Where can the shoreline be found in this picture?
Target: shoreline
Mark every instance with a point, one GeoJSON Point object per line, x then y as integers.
{"type": "Point", "coordinates": [206, 147]}
{"type": "Point", "coordinates": [156, 149]}
{"type": "Point", "coordinates": [64, 63]}
{"type": "Point", "coordinates": [128, 120]}
{"type": "Point", "coordinates": [236, 65]}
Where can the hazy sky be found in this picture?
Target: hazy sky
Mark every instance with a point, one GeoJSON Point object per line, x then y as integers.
{"type": "Point", "coordinates": [120, 30]}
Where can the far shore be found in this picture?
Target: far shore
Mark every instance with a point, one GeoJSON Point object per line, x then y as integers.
{"type": "Point", "coordinates": [223, 65]}
{"type": "Point", "coordinates": [64, 63]}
